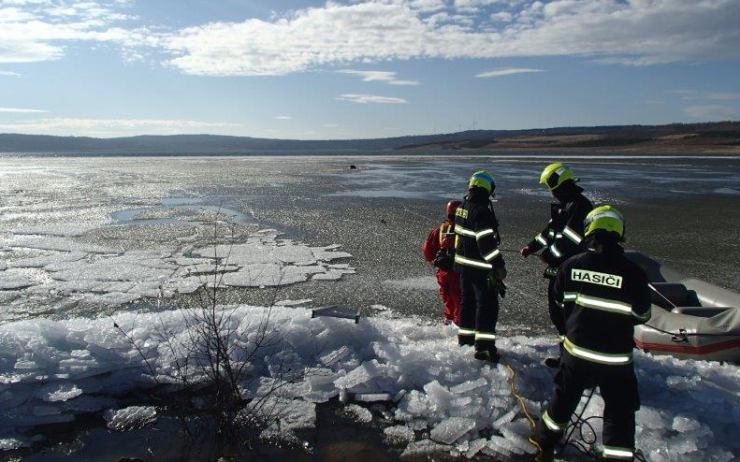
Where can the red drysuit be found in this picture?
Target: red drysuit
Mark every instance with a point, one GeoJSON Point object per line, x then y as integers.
{"type": "Point", "coordinates": [442, 237]}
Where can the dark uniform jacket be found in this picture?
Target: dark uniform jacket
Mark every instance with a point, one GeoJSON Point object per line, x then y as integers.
{"type": "Point", "coordinates": [477, 240]}
{"type": "Point", "coordinates": [563, 235]}
{"type": "Point", "coordinates": [604, 296]}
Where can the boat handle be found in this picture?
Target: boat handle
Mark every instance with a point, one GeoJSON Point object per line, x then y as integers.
{"type": "Point", "coordinates": [680, 337]}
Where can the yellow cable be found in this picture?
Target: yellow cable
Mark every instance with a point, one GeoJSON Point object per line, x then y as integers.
{"type": "Point", "coordinates": [523, 405]}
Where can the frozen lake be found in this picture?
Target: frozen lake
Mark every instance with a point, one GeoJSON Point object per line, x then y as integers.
{"type": "Point", "coordinates": [89, 241]}
{"type": "Point", "coordinates": [90, 235]}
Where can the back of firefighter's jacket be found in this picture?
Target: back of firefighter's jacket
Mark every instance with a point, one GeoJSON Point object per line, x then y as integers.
{"type": "Point", "coordinates": [604, 295]}
{"type": "Point", "coordinates": [477, 237]}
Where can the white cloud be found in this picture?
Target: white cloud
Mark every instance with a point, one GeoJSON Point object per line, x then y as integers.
{"type": "Point", "coordinates": [379, 76]}
{"type": "Point", "coordinates": [711, 112]}
{"type": "Point", "coordinates": [364, 99]}
{"type": "Point", "coordinates": [340, 33]}
{"type": "Point", "coordinates": [115, 127]}
{"type": "Point", "coordinates": [502, 16]}
{"type": "Point", "coordinates": [427, 6]}
{"type": "Point", "coordinates": [638, 32]}
{"type": "Point", "coordinates": [283, 117]}
{"type": "Point", "coordinates": [9, 74]}
{"type": "Point", "coordinates": [39, 30]}
{"type": "Point", "coordinates": [507, 71]}
{"type": "Point", "coordinates": [15, 110]}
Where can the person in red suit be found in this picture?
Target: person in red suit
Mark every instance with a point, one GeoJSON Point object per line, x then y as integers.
{"type": "Point", "coordinates": [439, 250]}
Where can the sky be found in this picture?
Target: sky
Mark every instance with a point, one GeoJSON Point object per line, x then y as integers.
{"type": "Point", "coordinates": [304, 69]}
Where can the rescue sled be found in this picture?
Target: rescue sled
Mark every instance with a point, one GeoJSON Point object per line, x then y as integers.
{"type": "Point", "coordinates": [690, 318]}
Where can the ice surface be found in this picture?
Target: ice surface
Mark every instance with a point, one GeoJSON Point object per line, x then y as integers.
{"type": "Point", "coordinates": [474, 447]}
{"type": "Point", "coordinates": [469, 386]}
{"type": "Point", "coordinates": [293, 414]}
{"type": "Point", "coordinates": [419, 283]}
{"type": "Point", "coordinates": [293, 302]}
{"type": "Point", "coordinates": [450, 430]}
{"type": "Point", "coordinates": [60, 392]}
{"type": "Point", "coordinates": [54, 370]}
{"type": "Point", "coordinates": [399, 434]}
{"type": "Point", "coordinates": [359, 413]}
{"type": "Point", "coordinates": [360, 377]}
{"type": "Point", "coordinates": [423, 448]}
{"type": "Point", "coordinates": [130, 418]}
{"type": "Point", "coordinates": [58, 266]}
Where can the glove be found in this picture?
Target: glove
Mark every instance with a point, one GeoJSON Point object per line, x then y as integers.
{"type": "Point", "coordinates": [496, 283]}
{"type": "Point", "coordinates": [526, 251]}
{"type": "Point", "coordinates": [550, 272]}
{"type": "Point", "coordinates": [444, 261]}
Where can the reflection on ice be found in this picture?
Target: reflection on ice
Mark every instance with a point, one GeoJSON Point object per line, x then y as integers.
{"type": "Point", "coordinates": [604, 179]}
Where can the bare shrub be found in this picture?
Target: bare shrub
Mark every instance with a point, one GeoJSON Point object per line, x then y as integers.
{"type": "Point", "coordinates": [212, 365]}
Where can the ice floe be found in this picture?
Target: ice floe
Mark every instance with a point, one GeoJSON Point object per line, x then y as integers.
{"type": "Point", "coordinates": [50, 268]}
{"type": "Point", "coordinates": [437, 396]}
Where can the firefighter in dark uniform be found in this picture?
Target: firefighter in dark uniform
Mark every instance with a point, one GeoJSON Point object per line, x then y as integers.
{"type": "Point", "coordinates": [604, 295]}
{"type": "Point", "coordinates": [481, 266]}
{"type": "Point", "coordinates": [563, 235]}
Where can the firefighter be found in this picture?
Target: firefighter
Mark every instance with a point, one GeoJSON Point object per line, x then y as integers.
{"type": "Point", "coordinates": [439, 250]}
{"type": "Point", "coordinates": [563, 235]}
{"type": "Point", "coordinates": [481, 266]}
{"type": "Point", "coordinates": [604, 295]}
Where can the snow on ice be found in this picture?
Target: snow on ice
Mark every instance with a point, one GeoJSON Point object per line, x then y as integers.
{"type": "Point", "coordinates": [444, 400]}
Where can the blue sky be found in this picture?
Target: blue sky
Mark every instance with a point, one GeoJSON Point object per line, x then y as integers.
{"type": "Point", "coordinates": [362, 68]}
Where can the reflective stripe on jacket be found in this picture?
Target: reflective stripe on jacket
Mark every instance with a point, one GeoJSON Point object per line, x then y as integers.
{"type": "Point", "coordinates": [477, 240]}
{"type": "Point", "coordinates": [563, 235]}
{"type": "Point", "coordinates": [604, 296]}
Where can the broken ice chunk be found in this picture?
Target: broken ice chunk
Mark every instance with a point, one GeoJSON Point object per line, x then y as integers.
{"type": "Point", "coordinates": [423, 448]}
{"type": "Point", "coordinates": [59, 392]}
{"type": "Point", "coordinates": [335, 356]}
{"type": "Point", "coordinates": [292, 413]}
{"type": "Point", "coordinates": [439, 395]}
{"type": "Point", "coordinates": [360, 376]}
{"type": "Point", "coordinates": [475, 447]}
{"type": "Point", "coordinates": [469, 386]}
{"type": "Point", "coordinates": [358, 413]}
{"type": "Point", "coordinates": [450, 430]}
{"type": "Point", "coordinates": [399, 434]}
{"type": "Point", "coordinates": [130, 418]}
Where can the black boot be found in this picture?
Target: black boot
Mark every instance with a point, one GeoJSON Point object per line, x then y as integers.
{"type": "Point", "coordinates": [554, 363]}
{"type": "Point", "coordinates": [487, 355]}
{"type": "Point", "coordinates": [464, 340]}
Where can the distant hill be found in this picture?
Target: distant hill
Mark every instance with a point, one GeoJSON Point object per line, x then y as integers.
{"type": "Point", "coordinates": [706, 137]}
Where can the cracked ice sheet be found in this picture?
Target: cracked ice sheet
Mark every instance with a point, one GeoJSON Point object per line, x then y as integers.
{"type": "Point", "coordinates": [57, 270]}
{"type": "Point", "coordinates": [689, 408]}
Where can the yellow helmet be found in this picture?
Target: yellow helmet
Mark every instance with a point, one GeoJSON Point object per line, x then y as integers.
{"type": "Point", "coordinates": [606, 218]}
{"type": "Point", "coordinates": [555, 174]}
{"type": "Point", "coordinates": [483, 179]}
